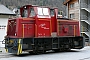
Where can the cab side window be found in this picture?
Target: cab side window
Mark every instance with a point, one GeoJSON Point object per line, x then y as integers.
{"type": "Point", "coordinates": [32, 12]}
{"type": "Point", "coordinates": [52, 12]}
{"type": "Point", "coordinates": [25, 13]}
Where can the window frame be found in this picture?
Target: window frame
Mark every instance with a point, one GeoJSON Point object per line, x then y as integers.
{"type": "Point", "coordinates": [72, 5]}
{"type": "Point", "coordinates": [72, 16]}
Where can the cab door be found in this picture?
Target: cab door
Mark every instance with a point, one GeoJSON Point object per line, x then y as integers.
{"type": "Point", "coordinates": [28, 30]}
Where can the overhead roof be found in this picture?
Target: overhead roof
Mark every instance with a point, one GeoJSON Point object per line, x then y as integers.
{"type": "Point", "coordinates": [66, 1]}
{"type": "Point", "coordinates": [5, 11]}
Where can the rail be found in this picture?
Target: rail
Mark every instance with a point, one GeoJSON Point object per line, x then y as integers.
{"type": "Point", "coordinates": [84, 29]}
{"type": "Point", "coordinates": [87, 31]}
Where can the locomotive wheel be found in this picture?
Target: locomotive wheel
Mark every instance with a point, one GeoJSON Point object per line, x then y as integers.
{"type": "Point", "coordinates": [57, 50]}
{"type": "Point", "coordinates": [34, 52]}
{"type": "Point", "coordinates": [31, 53]}
{"type": "Point", "coordinates": [68, 49]}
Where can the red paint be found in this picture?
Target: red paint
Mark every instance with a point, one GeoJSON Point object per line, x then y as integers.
{"type": "Point", "coordinates": [41, 25]}
{"type": "Point", "coordinates": [43, 28]}
{"type": "Point", "coordinates": [66, 28]}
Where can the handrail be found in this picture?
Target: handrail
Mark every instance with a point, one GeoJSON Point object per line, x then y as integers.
{"type": "Point", "coordinates": [86, 32]}
{"type": "Point", "coordinates": [84, 29]}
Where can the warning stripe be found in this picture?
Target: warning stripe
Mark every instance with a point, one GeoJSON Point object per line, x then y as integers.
{"type": "Point", "coordinates": [35, 30]}
{"type": "Point", "coordinates": [58, 27]}
{"type": "Point", "coordinates": [23, 30]}
{"type": "Point", "coordinates": [74, 30]}
{"type": "Point", "coordinates": [50, 27]}
{"type": "Point", "coordinates": [19, 47]}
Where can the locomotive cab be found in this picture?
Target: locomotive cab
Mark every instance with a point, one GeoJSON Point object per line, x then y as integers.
{"type": "Point", "coordinates": [34, 22]}
{"type": "Point", "coordinates": [27, 11]}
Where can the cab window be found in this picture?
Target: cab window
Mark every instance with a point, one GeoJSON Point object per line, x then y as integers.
{"type": "Point", "coordinates": [25, 13]}
{"type": "Point", "coordinates": [52, 12]}
{"type": "Point", "coordinates": [43, 11]}
{"type": "Point", "coordinates": [32, 12]}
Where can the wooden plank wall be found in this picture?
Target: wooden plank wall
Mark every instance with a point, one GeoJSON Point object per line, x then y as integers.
{"type": "Point", "coordinates": [75, 9]}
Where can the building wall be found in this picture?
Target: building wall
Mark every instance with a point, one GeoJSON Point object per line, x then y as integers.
{"type": "Point", "coordinates": [6, 16]}
{"type": "Point", "coordinates": [3, 28]}
{"type": "Point", "coordinates": [85, 18]}
{"type": "Point", "coordinates": [81, 10]}
{"type": "Point", "coordinates": [74, 10]}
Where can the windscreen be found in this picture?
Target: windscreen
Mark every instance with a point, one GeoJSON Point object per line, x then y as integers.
{"type": "Point", "coordinates": [25, 13]}
{"type": "Point", "coordinates": [43, 11]}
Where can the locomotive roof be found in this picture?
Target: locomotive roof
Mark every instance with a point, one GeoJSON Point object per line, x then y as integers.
{"type": "Point", "coordinates": [38, 6]}
{"type": "Point", "coordinates": [29, 5]}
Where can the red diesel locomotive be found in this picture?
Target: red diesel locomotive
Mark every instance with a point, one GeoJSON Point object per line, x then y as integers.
{"type": "Point", "coordinates": [38, 30]}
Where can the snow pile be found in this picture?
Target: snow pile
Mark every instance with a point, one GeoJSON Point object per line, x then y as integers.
{"type": "Point", "coordinates": [86, 48]}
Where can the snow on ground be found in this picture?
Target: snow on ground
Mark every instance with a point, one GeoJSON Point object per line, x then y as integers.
{"type": "Point", "coordinates": [75, 54]}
